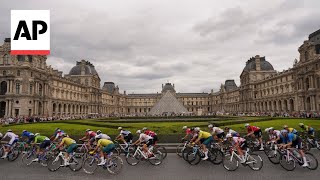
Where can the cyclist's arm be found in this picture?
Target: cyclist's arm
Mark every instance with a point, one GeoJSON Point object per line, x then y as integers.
{"type": "Point", "coordinates": [137, 142]}
{"type": "Point", "coordinates": [250, 133]}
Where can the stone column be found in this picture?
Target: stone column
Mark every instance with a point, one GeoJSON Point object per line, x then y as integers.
{"type": "Point", "coordinates": [312, 103]}
{"type": "Point", "coordinates": [10, 108]}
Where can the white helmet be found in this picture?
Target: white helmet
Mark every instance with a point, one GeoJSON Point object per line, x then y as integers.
{"type": "Point", "coordinates": [210, 126]}
{"type": "Point", "coordinates": [267, 129]}
{"type": "Point", "coordinates": [88, 130]}
{"type": "Point", "coordinates": [184, 127]}
{"type": "Point", "coordinates": [301, 124]}
{"type": "Point", "coordinates": [37, 134]}
{"type": "Point", "coordinates": [97, 137]}
{"type": "Point", "coordinates": [138, 132]}
{"type": "Point", "coordinates": [197, 129]}
{"type": "Point", "coordinates": [119, 128]}
{"type": "Point", "coordinates": [285, 126]}
{"type": "Point", "coordinates": [228, 135]}
{"type": "Point", "coordinates": [99, 132]}
{"type": "Point", "coordinates": [246, 125]}
{"type": "Point", "coordinates": [1, 135]}
{"type": "Point", "coordinates": [144, 128]}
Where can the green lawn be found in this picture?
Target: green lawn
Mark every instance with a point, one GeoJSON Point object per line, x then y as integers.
{"type": "Point", "coordinates": [77, 127]}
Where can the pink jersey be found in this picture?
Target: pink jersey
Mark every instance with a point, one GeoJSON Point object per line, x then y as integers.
{"type": "Point", "coordinates": [252, 128]}
{"type": "Point", "coordinates": [188, 131]}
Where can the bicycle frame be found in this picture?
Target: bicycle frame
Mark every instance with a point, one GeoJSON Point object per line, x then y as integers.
{"type": "Point", "coordinates": [289, 153]}
{"type": "Point", "coordinates": [246, 156]}
{"type": "Point", "coordinates": [140, 152]}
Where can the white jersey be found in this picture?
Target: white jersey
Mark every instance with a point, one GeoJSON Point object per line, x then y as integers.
{"type": "Point", "coordinates": [237, 140]}
{"type": "Point", "coordinates": [12, 137]}
{"type": "Point", "coordinates": [274, 134]}
{"type": "Point", "coordinates": [216, 130]}
{"type": "Point", "coordinates": [104, 136]}
{"type": "Point", "coordinates": [124, 132]}
{"type": "Point", "coordinates": [144, 138]}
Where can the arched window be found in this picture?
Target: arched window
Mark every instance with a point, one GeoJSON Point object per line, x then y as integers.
{"type": "Point", "coordinates": [6, 59]}
{"type": "Point", "coordinates": [31, 89]}
{"type": "Point", "coordinates": [17, 88]}
{"type": "Point", "coordinates": [3, 87]}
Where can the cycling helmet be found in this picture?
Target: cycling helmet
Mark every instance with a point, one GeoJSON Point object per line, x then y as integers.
{"type": "Point", "coordinates": [284, 131]}
{"type": "Point", "coordinates": [192, 129]}
{"type": "Point", "coordinates": [97, 137]}
{"type": "Point", "coordinates": [65, 135]}
{"type": "Point", "coordinates": [37, 134]}
{"type": "Point", "coordinates": [246, 125]}
{"type": "Point", "coordinates": [228, 135]}
{"type": "Point", "coordinates": [9, 130]}
{"type": "Point", "coordinates": [271, 128]}
{"type": "Point", "coordinates": [301, 124]}
{"type": "Point", "coordinates": [88, 130]}
{"type": "Point", "coordinates": [57, 129]}
{"type": "Point", "coordinates": [285, 126]}
{"type": "Point", "coordinates": [145, 128]}
{"type": "Point", "coordinates": [210, 126]}
{"type": "Point", "coordinates": [138, 132]}
{"type": "Point", "coordinates": [267, 129]}
{"type": "Point", "coordinates": [119, 128]}
{"type": "Point", "coordinates": [225, 128]}
{"type": "Point", "coordinates": [197, 129]}
{"type": "Point", "coordinates": [98, 132]}
{"type": "Point", "coordinates": [24, 131]}
{"type": "Point", "coordinates": [184, 127]}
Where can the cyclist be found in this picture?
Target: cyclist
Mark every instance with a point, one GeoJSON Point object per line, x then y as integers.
{"type": "Point", "coordinates": [231, 131]}
{"type": "Point", "coordinates": [125, 136]}
{"type": "Point", "coordinates": [102, 135]}
{"type": "Point", "coordinates": [28, 135]}
{"type": "Point", "coordinates": [144, 139]}
{"type": "Point", "coordinates": [290, 130]}
{"type": "Point", "coordinates": [308, 129]}
{"type": "Point", "coordinates": [106, 147]}
{"type": "Point", "coordinates": [58, 135]}
{"type": "Point", "coordinates": [205, 138]}
{"type": "Point", "coordinates": [89, 136]}
{"type": "Point", "coordinates": [13, 139]}
{"type": "Point", "coordinates": [239, 144]}
{"type": "Point", "coordinates": [255, 132]}
{"type": "Point", "coordinates": [188, 131]}
{"type": "Point", "coordinates": [217, 132]}
{"type": "Point", "coordinates": [274, 135]}
{"type": "Point", "coordinates": [44, 143]}
{"type": "Point", "coordinates": [71, 146]}
{"type": "Point", "coordinates": [293, 140]}
{"type": "Point", "coordinates": [151, 133]}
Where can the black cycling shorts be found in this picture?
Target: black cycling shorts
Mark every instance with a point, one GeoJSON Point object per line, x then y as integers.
{"type": "Point", "coordinates": [258, 133]}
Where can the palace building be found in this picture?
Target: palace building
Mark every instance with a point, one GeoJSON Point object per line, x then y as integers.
{"type": "Point", "coordinates": [30, 87]}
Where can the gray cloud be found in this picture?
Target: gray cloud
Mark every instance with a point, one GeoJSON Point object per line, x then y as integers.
{"type": "Point", "coordinates": [141, 44]}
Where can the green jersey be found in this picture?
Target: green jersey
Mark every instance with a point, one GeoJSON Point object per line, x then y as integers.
{"type": "Point", "coordinates": [40, 139]}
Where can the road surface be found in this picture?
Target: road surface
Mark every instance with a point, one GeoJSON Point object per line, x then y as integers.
{"type": "Point", "coordinates": [172, 168]}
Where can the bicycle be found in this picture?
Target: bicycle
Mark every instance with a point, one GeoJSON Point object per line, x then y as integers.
{"type": "Point", "coordinates": [272, 151]}
{"type": "Point", "coordinates": [28, 157]}
{"type": "Point", "coordinates": [136, 155]}
{"type": "Point", "coordinates": [308, 143]}
{"type": "Point", "coordinates": [161, 149]}
{"type": "Point", "coordinates": [122, 148]}
{"type": "Point", "coordinates": [195, 155]}
{"type": "Point", "coordinates": [181, 147]}
{"type": "Point", "coordinates": [114, 164]}
{"type": "Point", "coordinates": [290, 156]}
{"type": "Point", "coordinates": [57, 161]}
{"type": "Point", "coordinates": [13, 153]}
{"type": "Point", "coordinates": [231, 160]}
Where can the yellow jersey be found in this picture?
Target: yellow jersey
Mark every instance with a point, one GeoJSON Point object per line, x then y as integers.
{"type": "Point", "coordinates": [104, 142]}
{"type": "Point", "coordinates": [203, 135]}
{"type": "Point", "coordinates": [67, 141]}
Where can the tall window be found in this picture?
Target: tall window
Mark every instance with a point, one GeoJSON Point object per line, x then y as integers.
{"type": "Point", "coordinates": [4, 73]}
{"type": "Point", "coordinates": [18, 88]}
{"type": "Point", "coordinates": [21, 58]}
{"type": "Point", "coordinates": [40, 89]}
{"type": "Point", "coordinates": [3, 87]}
{"type": "Point", "coordinates": [30, 59]}
{"type": "Point", "coordinates": [6, 59]}
{"type": "Point", "coordinates": [31, 89]}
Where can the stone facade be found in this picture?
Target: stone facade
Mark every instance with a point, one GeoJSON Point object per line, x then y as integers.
{"type": "Point", "coordinates": [29, 87]}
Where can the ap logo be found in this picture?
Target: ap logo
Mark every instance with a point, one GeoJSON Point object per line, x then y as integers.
{"type": "Point", "coordinates": [30, 32]}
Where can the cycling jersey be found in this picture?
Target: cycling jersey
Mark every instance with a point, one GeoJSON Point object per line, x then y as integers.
{"type": "Point", "coordinates": [56, 132]}
{"type": "Point", "coordinates": [59, 134]}
{"type": "Point", "coordinates": [216, 130]}
{"type": "Point", "coordinates": [203, 135]}
{"type": "Point", "coordinates": [290, 138]}
{"type": "Point", "coordinates": [91, 134]}
{"type": "Point", "coordinates": [150, 133]}
{"type": "Point", "coordinates": [252, 129]}
{"type": "Point", "coordinates": [40, 139]}
{"type": "Point", "coordinates": [125, 133]}
{"type": "Point", "coordinates": [104, 142]}
{"type": "Point", "coordinates": [292, 130]}
{"type": "Point", "coordinates": [13, 138]}
{"type": "Point", "coordinates": [27, 134]}
{"type": "Point", "coordinates": [68, 141]}
{"type": "Point", "coordinates": [188, 131]}
{"type": "Point", "coordinates": [274, 134]}
{"type": "Point", "coordinates": [237, 140]}
{"type": "Point", "coordinates": [144, 138]}
{"type": "Point", "coordinates": [233, 133]}
{"type": "Point", "coordinates": [104, 136]}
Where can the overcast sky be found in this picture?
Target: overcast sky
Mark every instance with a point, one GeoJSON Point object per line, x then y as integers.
{"type": "Point", "coordinates": [197, 45]}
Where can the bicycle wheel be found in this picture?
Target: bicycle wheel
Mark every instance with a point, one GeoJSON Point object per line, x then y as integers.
{"type": "Point", "coordinates": [255, 162]}
{"type": "Point", "coordinates": [185, 153]}
{"type": "Point", "coordinates": [193, 158]}
{"type": "Point", "coordinates": [132, 158]}
{"type": "Point", "coordinates": [267, 149]}
{"type": "Point", "coordinates": [116, 151]}
{"type": "Point", "coordinates": [217, 156]}
{"type": "Point", "coordinates": [1, 151]}
{"type": "Point", "coordinates": [306, 145]}
{"type": "Point", "coordinates": [287, 162]}
{"type": "Point", "coordinates": [274, 156]}
{"type": "Point", "coordinates": [156, 159]}
{"type": "Point", "coordinates": [54, 163]}
{"type": "Point", "coordinates": [13, 155]}
{"type": "Point", "coordinates": [44, 159]}
{"type": "Point", "coordinates": [163, 151]}
{"type": "Point", "coordinates": [75, 163]}
{"type": "Point", "coordinates": [179, 150]}
{"type": "Point", "coordinates": [28, 158]}
{"type": "Point", "coordinates": [114, 164]}
{"type": "Point", "coordinates": [312, 161]}
{"type": "Point", "coordinates": [230, 163]}
{"type": "Point", "coordinates": [90, 165]}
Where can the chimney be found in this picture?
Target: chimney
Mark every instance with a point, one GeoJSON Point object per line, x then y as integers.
{"type": "Point", "coordinates": [125, 92]}
{"type": "Point", "coordinates": [258, 64]}
{"type": "Point", "coordinates": [162, 86]}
